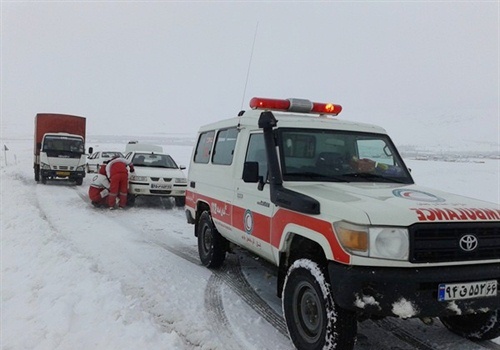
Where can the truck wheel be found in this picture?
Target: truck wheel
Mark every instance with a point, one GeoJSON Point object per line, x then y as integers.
{"type": "Point", "coordinates": [481, 326]}
{"type": "Point", "coordinates": [79, 181]}
{"type": "Point", "coordinates": [180, 201]}
{"type": "Point", "coordinates": [44, 179]}
{"type": "Point", "coordinates": [211, 245]}
{"type": "Point", "coordinates": [37, 174]}
{"type": "Point", "coordinates": [313, 319]}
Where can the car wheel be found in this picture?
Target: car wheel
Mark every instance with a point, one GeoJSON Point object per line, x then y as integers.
{"type": "Point", "coordinates": [180, 201]}
{"type": "Point", "coordinates": [130, 199]}
{"type": "Point", "coordinates": [313, 319]}
{"type": "Point", "coordinates": [480, 326]}
{"type": "Point", "coordinates": [212, 246]}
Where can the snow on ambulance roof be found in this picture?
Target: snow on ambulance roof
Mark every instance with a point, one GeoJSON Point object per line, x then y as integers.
{"type": "Point", "coordinates": [296, 113]}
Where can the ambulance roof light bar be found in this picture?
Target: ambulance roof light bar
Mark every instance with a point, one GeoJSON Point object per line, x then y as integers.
{"type": "Point", "coordinates": [295, 105]}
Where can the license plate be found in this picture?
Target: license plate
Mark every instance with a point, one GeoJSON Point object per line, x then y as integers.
{"type": "Point", "coordinates": [160, 187]}
{"type": "Point", "coordinates": [471, 290]}
{"type": "Point", "coordinates": [62, 173]}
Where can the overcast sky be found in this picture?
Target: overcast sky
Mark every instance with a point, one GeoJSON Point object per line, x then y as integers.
{"type": "Point", "coordinates": [169, 67]}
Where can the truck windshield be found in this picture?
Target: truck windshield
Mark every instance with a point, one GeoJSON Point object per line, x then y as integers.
{"type": "Point", "coordinates": [339, 156]}
{"type": "Point", "coordinates": [63, 144]}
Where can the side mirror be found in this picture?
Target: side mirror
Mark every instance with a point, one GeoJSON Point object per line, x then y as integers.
{"type": "Point", "coordinates": [251, 172]}
{"type": "Point", "coordinates": [182, 167]}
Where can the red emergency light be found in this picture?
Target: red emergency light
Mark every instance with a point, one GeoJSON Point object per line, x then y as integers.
{"type": "Point", "coordinates": [295, 105]}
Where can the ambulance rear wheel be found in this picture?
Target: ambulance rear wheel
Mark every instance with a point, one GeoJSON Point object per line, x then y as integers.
{"type": "Point", "coordinates": [313, 318]}
{"type": "Point", "coordinates": [481, 326]}
{"type": "Point", "coordinates": [212, 246]}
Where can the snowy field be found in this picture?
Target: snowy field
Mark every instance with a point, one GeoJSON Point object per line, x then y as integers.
{"type": "Point", "coordinates": [74, 277]}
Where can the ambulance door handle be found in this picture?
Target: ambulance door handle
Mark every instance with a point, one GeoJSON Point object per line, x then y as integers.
{"type": "Point", "coordinates": [192, 184]}
{"type": "Point", "coordinates": [239, 195]}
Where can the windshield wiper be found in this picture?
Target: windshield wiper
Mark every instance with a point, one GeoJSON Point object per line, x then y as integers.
{"type": "Point", "coordinates": [313, 175]}
{"type": "Point", "coordinates": [373, 176]}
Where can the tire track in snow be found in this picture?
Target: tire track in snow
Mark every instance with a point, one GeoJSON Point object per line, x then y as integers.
{"type": "Point", "coordinates": [148, 304]}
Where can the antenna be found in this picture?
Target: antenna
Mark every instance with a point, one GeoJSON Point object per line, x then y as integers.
{"type": "Point", "coordinates": [249, 64]}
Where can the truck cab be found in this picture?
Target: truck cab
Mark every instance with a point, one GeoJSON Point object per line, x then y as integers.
{"type": "Point", "coordinates": [59, 151]}
{"type": "Point", "coordinates": [333, 206]}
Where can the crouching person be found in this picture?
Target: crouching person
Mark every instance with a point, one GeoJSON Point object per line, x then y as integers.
{"type": "Point", "coordinates": [99, 188]}
{"type": "Point", "coordinates": [117, 172]}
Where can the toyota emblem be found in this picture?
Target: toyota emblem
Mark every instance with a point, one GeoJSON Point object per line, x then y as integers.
{"type": "Point", "coordinates": [468, 243]}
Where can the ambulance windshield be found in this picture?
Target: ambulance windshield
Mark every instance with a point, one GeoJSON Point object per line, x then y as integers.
{"type": "Point", "coordinates": [339, 156]}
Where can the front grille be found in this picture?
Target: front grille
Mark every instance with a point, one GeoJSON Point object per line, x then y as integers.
{"type": "Point", "coordinates": [166, 179]}
{"type": "Point", "coordinates": [160, 192]}
{"type": "Point", "coordinates": [441, 242]}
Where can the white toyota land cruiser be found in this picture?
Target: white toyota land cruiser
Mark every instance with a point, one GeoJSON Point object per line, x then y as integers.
{"type": "Point", "coordinates": [334, 207]}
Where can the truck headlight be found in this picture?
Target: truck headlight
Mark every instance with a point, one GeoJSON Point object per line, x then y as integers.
{"type": "Point", "coordinates": [45, 166]}
{"type": "Point", "coordinates": [374, 242]}
{"type": "Point", "coordinates": [180, 180]}
{"type": "Point", "coordinates": [80, 168]}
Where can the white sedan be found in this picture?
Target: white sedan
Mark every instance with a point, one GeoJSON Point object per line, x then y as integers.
{"type": "Point", "coordinates": [96, 159]}
{"type": "Point", "coordinates": [156, 174]}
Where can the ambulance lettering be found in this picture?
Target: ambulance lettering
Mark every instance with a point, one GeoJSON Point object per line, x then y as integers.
{"type": "Point", "coordinates": [462, 214]}
{"type": "Point", "coordinates": [220, 211]}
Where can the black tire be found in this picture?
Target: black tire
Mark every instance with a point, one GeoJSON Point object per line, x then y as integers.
{"type": "Point", "coordinates": [37, 173]}
{"type": "Point", "coordinates": [313, 319]}
{"type": "Point", "coordinates": [130, 200]}
{"type": "Point", "coordinates": [43, 179]}
{"type": "Point", "coordinates": [79, 181]}
{"type": "Point", "coordinates": [180, 201]}
{"type": "Point", "coordinates": [481, 326]}
{"type": "Point", "coordinates": [212, 246]}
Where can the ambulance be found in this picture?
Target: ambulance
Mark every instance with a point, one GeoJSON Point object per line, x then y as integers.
{"type": "Point", "coordinates": [333, 206]}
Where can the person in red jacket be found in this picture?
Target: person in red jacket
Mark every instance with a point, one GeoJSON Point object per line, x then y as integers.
{"type": "Point", "coordinates": [99, 188]}
{"type": "Point", "coordinates": [117, 172]}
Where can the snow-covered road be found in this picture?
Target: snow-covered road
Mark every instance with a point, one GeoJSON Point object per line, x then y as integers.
{"type": "Point", "coordinates": [74, 277]}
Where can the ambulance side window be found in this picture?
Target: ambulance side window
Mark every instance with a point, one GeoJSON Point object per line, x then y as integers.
{"type": "Point", "coordinates": [256, 152]}
{"type": "Point", "coordinates": [224, 146]}
{"type": "Point", "coordinates": [204, 147]}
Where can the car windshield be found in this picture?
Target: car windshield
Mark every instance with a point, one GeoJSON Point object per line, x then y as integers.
{"type": "Point", "coordinates": [339, 156]}
{"type": "Point", "coordinates": [111, 154]}
{"type": "Point", "coordinates": [154, 160]}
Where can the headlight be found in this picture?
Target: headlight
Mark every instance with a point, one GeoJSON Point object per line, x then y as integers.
{"type": "Point", "coordinates": [44, 166]}
{"type": "Point", "coordinates": [180, 180]}
{"type": "Point", "coordinates": [80, 168]}
{"type": "Point", "coordinates": [389, 243]}
{"type": "Point", "coordinates": [138, 178]}
{"type": "Point", "coordinates": [374, 242]}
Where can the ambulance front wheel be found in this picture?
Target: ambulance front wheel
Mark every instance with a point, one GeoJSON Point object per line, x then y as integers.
{"type": "Point", "coordinates": [313, 318]}
{"type": "Point", "coordinates": [481, 326]}
{"type": "Point", "coordinates": [212, 246]}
